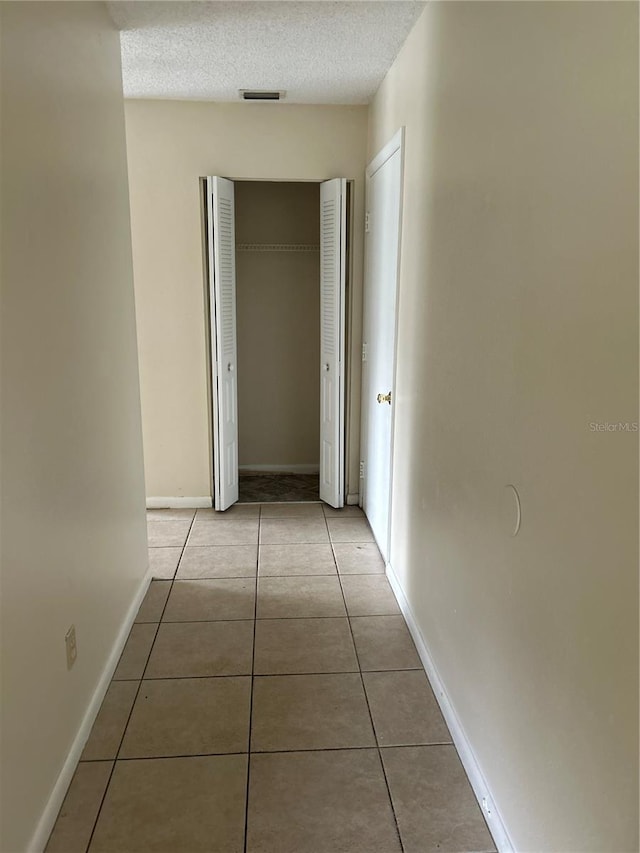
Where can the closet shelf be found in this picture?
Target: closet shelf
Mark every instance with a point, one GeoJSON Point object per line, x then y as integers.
{"type": "Point", "coordinates": [277, 247]}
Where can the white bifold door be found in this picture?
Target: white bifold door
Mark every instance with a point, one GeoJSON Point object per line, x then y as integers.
{"type": "Point", "coordinates": [333, 238]}
{"type": "Point", "coordinates": [222, 303]}
{"type": "Point", "coordinates": [222, 311]}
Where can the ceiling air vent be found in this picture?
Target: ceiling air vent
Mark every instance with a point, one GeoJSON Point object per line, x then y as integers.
{"type": "Point", "coordinates": [256, 95]}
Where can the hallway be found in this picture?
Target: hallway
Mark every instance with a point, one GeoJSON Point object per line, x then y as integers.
{"type": "Point", "coordinates": [273, 631]}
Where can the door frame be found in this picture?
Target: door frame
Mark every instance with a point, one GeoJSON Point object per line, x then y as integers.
{"type": "Point", "coordinates": [396, 143]}
{"type": "Point", "coordinates": [349, 318]}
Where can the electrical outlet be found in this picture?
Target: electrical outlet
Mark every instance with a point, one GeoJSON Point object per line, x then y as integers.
{"type": "Point", "coordinates": [71, 646]}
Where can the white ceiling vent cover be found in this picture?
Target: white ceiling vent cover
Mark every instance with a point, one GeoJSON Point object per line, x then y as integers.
{"type": "Point", "coordinates": [261, 95]}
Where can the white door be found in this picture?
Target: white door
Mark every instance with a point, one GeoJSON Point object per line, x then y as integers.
{"type": "Point", "coordinates": [333, 236]}
{"type": "Point", "coordinates": [222, 303]}
{"type": "Point", "coordinates": [382, 243]}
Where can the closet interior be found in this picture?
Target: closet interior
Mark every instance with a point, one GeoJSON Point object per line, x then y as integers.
{"type": "Point", "coordinates": [277, 227]}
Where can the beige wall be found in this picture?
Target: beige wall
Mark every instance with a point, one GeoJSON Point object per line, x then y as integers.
{"type": "Point", "coordinates": [517, 329]}
{"type": "Point", "coordinates": [278, 320]}
{"type": "Point", "coordinates": [170, 145]}
{"type": "Point", "coordinates": [73, 525]}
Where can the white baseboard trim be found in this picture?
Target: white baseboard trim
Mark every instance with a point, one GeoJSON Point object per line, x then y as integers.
{"type": "Point", "coordinates": [48, 818]}
{"type": "Point", "coordinates": [353, 500]}
{"type": "Point", "coordinates": [467, 756]}
{"type": "Point", "coordinates": [280, 469]}
{"type": "Point", "coordinates": [179, 503]}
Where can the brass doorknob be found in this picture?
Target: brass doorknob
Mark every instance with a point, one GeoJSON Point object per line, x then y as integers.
{"type": "Point", "coordinates": [384, 398]}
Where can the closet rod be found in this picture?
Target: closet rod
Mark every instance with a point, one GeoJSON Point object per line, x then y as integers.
{"type": "Point", "coordinates": [277, 247]}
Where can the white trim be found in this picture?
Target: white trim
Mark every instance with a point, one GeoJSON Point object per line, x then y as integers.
{"type": "Point", "coordinates": [396, 142]}
{"type": "Point", "coordinates": [56, 798]}
{"type": "Point", "coordinates": [470, 763]}
{"type": "Point", "coordinates": [353, 500]}
{"type": "Point", "coordinates": [180, 503]}
{"type": "Point", "coordinates": [281, 469]}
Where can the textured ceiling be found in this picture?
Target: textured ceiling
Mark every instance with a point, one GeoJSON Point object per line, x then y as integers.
{"type": "Point", "coordinates": [318, 52]}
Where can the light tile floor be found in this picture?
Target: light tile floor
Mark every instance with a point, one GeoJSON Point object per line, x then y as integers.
{"type": "Point", "coordinates": [269, 700]}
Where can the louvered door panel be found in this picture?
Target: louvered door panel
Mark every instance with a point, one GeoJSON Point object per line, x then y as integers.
{"type": "Point", "coordinates": [332, 332]}
{"type": "Point", "coordinates": [221, 234]}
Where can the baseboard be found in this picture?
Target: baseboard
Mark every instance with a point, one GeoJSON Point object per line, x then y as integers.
{"type": "Point", "coordinates": [467, 756]}
{"type": "Point", "coordinates": [179, 503]}
{"type": "Point", "coordinates": [48, 818]}
{"type": "Point", "coordinates": [279, 469]}
{"type": "Point", "coordinates": [353, 500]}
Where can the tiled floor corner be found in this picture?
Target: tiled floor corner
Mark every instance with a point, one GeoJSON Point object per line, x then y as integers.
{"type": "Point", "coordinates": [269, 699]}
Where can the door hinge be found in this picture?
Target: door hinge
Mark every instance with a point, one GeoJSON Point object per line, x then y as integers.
{"type": "Point", "coordinates": [362, 469]}
{"type": "Point", "coordinates": [367, 222]}
{"type": "Point", "coordinates": [364, 352]}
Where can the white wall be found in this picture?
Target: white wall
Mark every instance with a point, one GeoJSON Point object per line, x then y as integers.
{"type": "Point", "coordinates": [517, 329]}
{"type": "Point", "coordinates": [171, 144]}
{"type": "Point", "coordinates": [73, 525]}
{"type": "Point", "coordinates": [278, 319]}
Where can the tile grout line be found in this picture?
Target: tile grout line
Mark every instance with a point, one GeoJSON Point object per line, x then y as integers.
{"type": "Point", "coordinates": [273, 751]}
{"type": "Point", "coordinates": [253, 667]}
{"type": "Point", "coordinates": [263, 619]}
{"type": "Point", "coordinates": [366, 699]}
{"type": "Point", "coordinates": [135, 698]}
{"type": "Point", "coordinates": [258, 675]}
{"type": "Point", "coordinates": [248, 577]}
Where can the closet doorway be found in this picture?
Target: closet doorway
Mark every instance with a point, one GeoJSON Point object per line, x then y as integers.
{"type": "Point", "coordinates": [278, 324]}
{"type": "Point", "coordinates": [277, 294]}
